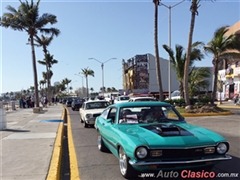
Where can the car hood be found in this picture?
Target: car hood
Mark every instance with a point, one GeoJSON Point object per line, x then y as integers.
{"type": "Point", "coordinates": [171, 135]}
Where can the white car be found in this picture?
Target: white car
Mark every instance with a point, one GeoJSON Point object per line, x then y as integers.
{"type": "Point", "coordinates": [121, 99]}
{"type": "Point", "coordinates": [134, 99]}
{"type": "Point", "coordinates": [176, 95]}
{"type": "Point", "coordinates": [90, 110]}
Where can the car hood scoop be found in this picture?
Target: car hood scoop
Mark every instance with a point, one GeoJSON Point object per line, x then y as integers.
{"type": "Point", "coordinates": [168, 130]}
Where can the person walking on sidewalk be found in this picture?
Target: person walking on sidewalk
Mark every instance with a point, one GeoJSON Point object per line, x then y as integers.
{"type": "Point", "coordinates": [112, 99]}
{"type": "Point", "coordinates": [236, 98]}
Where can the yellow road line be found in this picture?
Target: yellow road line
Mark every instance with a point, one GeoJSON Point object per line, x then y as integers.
{"type": "Point", "coordinates": [74, 173]}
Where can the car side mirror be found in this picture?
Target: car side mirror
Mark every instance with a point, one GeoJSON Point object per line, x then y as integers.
{"type": "Point", "coordinates": [110, 120]}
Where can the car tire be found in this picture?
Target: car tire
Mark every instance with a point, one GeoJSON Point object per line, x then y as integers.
{"type": "Point", "coordinates": [101, 145]}
{"type": "Point", "coordinates": [126, 169]}
{"type": "Point", "coordinates": [85, 125]}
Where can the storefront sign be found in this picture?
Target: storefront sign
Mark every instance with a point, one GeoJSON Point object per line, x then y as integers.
{"type": "Point", "coordinates": [237, 71]}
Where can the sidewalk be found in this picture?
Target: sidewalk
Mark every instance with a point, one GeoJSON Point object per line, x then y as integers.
{"type": "Point", "coordinates": [228, 104]}
{"type": "Point", "coordinates": [27, 143]}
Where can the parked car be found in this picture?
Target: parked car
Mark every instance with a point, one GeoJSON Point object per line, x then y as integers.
{"type": "Point", "coordinates": [121, 99]}
{"type": "Point", "coordinates": [69, 101]}
{"type": "Point", "coordinates": [137, 99]}
{"type": "Point", "coordinates": [77, 103]}
{"type": "Point", "coordinates": [90, 110]}
{"type": "Point", "coordinates": [176, 95]}
{"type": "Point", "coordinates": [153, 136]}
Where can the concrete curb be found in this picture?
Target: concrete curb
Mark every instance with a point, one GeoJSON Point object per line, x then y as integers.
{"type": "Point", "coordinates": [206, 114]}
{"type": "Point", "coordinates": [55, 165]}
{"type": "Point", "coordinates": [227, 107]}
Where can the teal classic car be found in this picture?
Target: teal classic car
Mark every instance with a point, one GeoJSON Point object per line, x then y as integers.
{"type": "Point", "coordinates": [153, 136]}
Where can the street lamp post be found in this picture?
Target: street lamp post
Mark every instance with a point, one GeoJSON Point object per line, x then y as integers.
{"type": "Point", "coordinates": [102, 65]}
{"type": "Point", "coordinates": [169, 42]}
{"type": "Point", "coordinates": [82, 81]}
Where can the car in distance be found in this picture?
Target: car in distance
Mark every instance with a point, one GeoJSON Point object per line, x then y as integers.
{"type": "Point", "coordinates": [153, 136]}
{"type": "Point", "coordinates": [77, 103]}
{"type": "Point", "coordinates": [177, 95]}
{"type": "Point", "coordinates": [90, 110]}
{"type": "Point", "coordinates": [121, 99]}
{"type": "Point", "coordinates": [137, 99]}
{"type": "Point", "coordinates": [69, 101]}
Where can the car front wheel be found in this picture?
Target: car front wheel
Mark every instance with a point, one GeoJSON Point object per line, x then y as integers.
{"type": "Point", "coordinates": [126, 169]}
{"type": "Point", "coordinates": [101, 145]}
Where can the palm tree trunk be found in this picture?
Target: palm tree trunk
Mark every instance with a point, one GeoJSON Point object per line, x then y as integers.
{"type": "Point", "coordinates": [87, 85]}
{"type": "Point", "coordinates": [186, 65]}
{"type": "Point", "coordinates": [48, 85]}
{"type": "Point", "coordinates": [34, 72]}
{"type": "Point", "coordinates": [215, 80]}
{"type": "Point", "coordinates": [158, 73]}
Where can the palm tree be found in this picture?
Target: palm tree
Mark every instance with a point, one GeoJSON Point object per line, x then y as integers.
{"type": "Point", "coordinates": [45, 41]}
{"type": "Point", "coordinates": [42, 83]}
{"type": "Point", "coordinates": [197, 80]}
{"type": "Point", "coordinates": [32, 88]}
{"type": "Point", "coordinates": [87, 72]}
{"type": "Point", "coordinates": [178, 60]}
{"type": "Point", "coordinates": [158, 73]}
{"type": "Point", "coordinates": [91, 89]}
{"type": "Point", "coordinates": [194, 11]}
{"type": "Point", "coordinates": [220, 46]}
{"type": "Point", "coordinates": [27, 19]}
{"type": "Point", "coordinates": [11, 94]}
{"type": "Point", "coordinates": [48, 61]}
{"type": "Point", "coordinates": [66, 81]}
{"type": "Point", "coordinates": [114, 89]}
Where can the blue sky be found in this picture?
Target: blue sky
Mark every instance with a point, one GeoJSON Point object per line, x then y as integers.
{"type": "Point", "coordinates": [103, 30]}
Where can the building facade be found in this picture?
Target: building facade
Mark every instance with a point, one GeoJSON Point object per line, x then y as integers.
{"type": "Point", "coordinates": [229, 75]}
{"type": "Point", "coordinates": [139, 76]}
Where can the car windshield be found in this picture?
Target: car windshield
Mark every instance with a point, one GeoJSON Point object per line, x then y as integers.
{"type": "Point", "coordinates": [97, 105]}
{"type": "Point", "coordinates": [175, 93]}
{"type": "Point", "coordinates": [124, 98]}
{"type": "Point", "coordinates": [146, 99]}
{"type": "Point", "coordinates": [148, 114]}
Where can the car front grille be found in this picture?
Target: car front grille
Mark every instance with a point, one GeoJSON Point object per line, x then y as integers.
{"type": "Point", "coordinates": [96, 115]}
{"type": "Point", "coordinates": [184, 153]}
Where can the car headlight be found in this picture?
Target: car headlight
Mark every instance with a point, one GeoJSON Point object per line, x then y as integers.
{"type": "Point", "coordinates": [88, 116]}
{"type": "Point", "coordinates": [141, 152]}
{"type": "Point", "coordinates": [222, 148]}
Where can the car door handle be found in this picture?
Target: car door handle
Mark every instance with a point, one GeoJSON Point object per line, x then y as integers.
{"type": "Point", "coordinates": [103, 124]}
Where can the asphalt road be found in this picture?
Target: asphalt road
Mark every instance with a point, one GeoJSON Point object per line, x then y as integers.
{"type": "Point", "coordinates": [95, 165]}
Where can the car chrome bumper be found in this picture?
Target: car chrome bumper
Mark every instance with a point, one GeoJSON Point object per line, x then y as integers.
{"type": "Point", "coordinates": [90, 121]}
{"type": "Point", "coordinates": [144, 163]}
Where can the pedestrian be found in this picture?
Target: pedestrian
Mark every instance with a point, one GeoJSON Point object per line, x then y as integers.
{"type": "Point", "coordinates": [33, 101]}
{"type": "Point", "coordinates": [45, 101]}
{"type": "Point", "coordinates": [235, 98]}
{"type": "Point", "coordinates": [112, 98]}
{"type": "Point", "coordinates": [21, 102]}
{"type": "Point", "coordinates": [53, 100]}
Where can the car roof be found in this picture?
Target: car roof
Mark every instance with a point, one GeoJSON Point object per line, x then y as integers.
{"type": "Point", "coordinates": [142, 98]}
{"type": "Point", "coordinates": [91, 101]}
{"type": "Point", "coordinates": [142, 103]}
